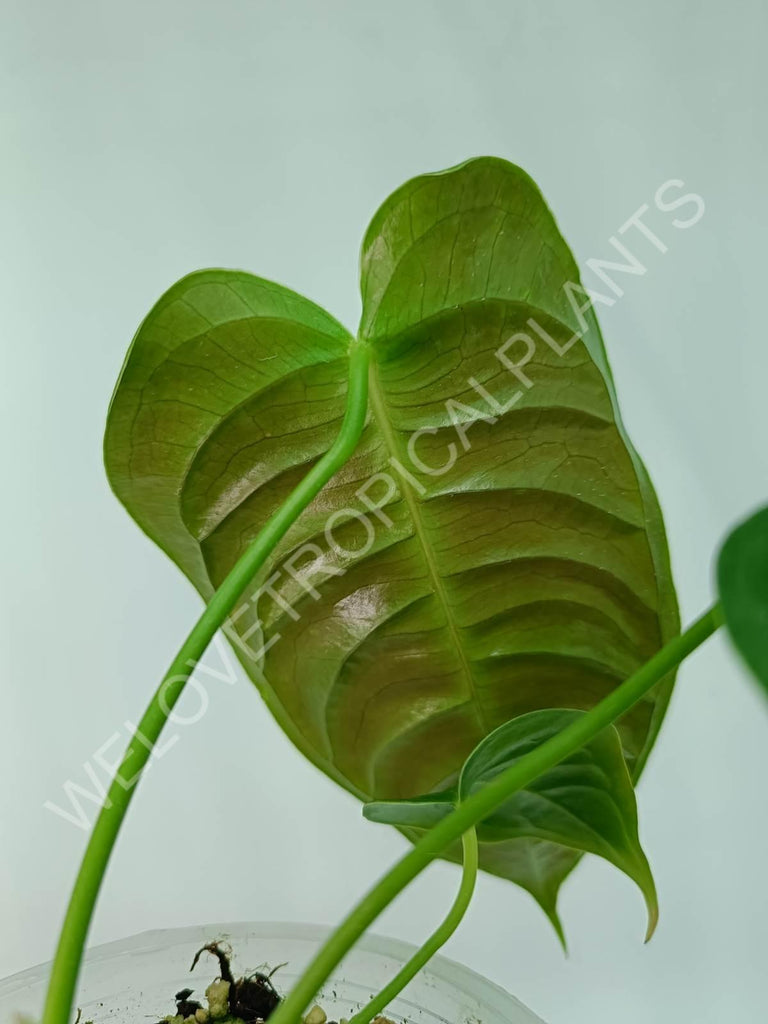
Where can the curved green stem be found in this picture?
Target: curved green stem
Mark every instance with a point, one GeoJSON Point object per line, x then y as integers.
{"type": "Point", "coordinates": [436, 941]}
{"type": "Point", "coordinates": [66, 964]}
{"type": "Point", "coordinates": [477, 807]}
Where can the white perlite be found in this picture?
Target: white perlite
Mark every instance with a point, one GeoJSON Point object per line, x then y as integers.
{"type": "Point", "coordinates": [316, 1015]}
{"type": "Point", "coordinates": [217, 995]}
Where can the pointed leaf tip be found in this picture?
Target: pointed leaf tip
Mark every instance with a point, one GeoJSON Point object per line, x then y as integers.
{"type": "Point", "coordinates": [554, 919]}
{"type": "Point", "coordinates": [648, 888]}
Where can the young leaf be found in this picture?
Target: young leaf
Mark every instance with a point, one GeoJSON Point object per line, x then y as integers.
{"type": "Point", "coordinates": [585, 803]}
{"type": "Point", "coordinates": [493, 547]}
{"type": "Point", "coordinates": [742, 578]}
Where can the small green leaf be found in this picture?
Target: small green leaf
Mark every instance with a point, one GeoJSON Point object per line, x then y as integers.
{"type": "Point", "coordinates": [742, 578]}
{"type": "Point", "coordinates": [585, 803]}
{"type": "Point", "coordinates": [419, 812]}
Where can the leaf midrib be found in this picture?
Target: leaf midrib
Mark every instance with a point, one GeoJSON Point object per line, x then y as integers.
{"type": "Point", "coordinates": [388, 432]}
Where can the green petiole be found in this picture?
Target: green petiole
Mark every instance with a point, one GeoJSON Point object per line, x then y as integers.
{"type": "Point", "coordinates": [436, 941]}
{"type": "Point", "coordinates": [69, 953]}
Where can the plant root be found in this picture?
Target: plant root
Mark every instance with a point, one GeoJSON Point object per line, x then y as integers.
{"type": "Point", "coordinates": [252, 998]}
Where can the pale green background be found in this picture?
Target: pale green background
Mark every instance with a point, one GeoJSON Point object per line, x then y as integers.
{"type": "Point", "coordinates": [144, 140]}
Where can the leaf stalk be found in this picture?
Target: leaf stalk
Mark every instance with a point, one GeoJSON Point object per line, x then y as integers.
{"type": "Point", "coordinates": [437, 940]}
{"type": "Point", "coordinates": [77, 920]}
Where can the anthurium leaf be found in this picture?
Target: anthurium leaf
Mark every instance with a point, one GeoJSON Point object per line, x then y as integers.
{"type": "Point", "coordinates": [492, 548]}
{"type": "Point", "coordinates": [585, 803]}
{"type": "Point", "coordinates": [742, 578]}
{"type": "Point", "coordinates": [420, 812]}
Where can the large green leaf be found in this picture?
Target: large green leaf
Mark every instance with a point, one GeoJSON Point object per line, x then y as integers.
{"type": "Point", "coordinates": [742, 577]}
{"type": "Point", "coordinates": [585, 803]}
{"type": "Point", "coordinates": [530, 571]}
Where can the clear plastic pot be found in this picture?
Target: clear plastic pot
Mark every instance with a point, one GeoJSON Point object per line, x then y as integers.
{"type": "Point", "coordinates": [133, 981]}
